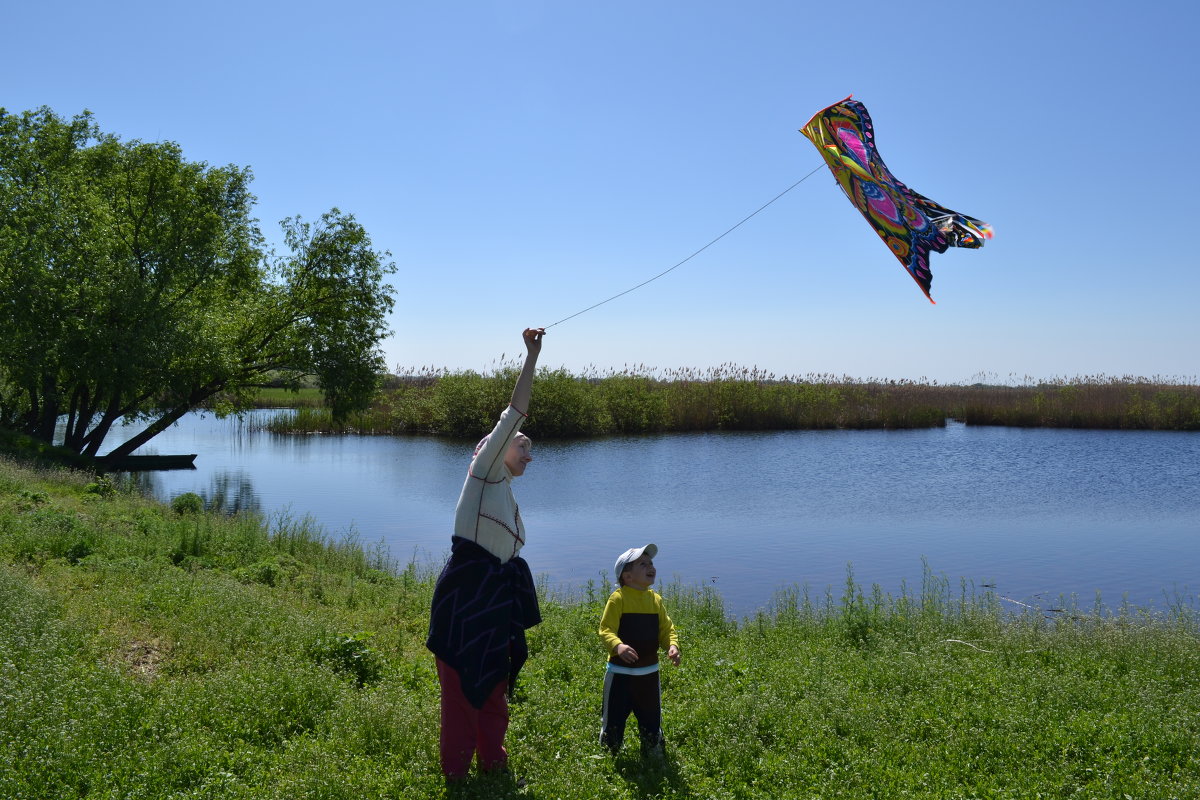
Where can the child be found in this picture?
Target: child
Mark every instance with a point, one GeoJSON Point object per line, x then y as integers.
{"type": "Point", "coordinates": [633, 627]}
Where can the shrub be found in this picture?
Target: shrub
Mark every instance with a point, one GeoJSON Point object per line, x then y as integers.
{"type": "Point", "coordinates": [349, 653]}
{"type": "Point", "coordinates": [103, 486]}
{"type": "Point", "coordinates": [187, 503]}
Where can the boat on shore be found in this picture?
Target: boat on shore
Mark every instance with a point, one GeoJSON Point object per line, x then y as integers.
{"type": "Point", "coordinates": [145, 463]}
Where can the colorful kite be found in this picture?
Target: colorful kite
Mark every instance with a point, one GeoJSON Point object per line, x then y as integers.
{"type": "Point", "coordinates": [910, 224]}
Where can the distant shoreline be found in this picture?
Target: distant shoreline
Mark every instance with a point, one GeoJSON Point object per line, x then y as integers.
{"type": "Point", "coordinates": [566, 405]}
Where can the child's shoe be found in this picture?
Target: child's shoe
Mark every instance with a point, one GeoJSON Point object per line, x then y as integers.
{"type": "Point", "coordinates": [655, 748]}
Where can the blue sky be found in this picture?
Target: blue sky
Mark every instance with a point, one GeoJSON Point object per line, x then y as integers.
{"type": "Point", "coordinates": [523, 160]}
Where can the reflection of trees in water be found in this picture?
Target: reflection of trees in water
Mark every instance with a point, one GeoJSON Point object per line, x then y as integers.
{"type": "Point", "coordinates": [231, 493]}
{"type": "Point", "coordinates": [144, 482]}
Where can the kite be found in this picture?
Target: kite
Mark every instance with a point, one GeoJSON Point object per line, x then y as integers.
{"type": "Point", "coordinates": [910, 224]}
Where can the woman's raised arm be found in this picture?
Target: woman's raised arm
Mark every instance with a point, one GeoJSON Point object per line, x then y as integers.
{"type": "Point", "coordinates": [523, 391]}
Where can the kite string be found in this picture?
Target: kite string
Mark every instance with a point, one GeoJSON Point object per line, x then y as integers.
{"type": "Point", "coordinates": [693, 255]}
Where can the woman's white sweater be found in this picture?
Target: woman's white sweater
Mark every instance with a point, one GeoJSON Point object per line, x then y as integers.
{"type": "Point", "coordinates": [487, 512]}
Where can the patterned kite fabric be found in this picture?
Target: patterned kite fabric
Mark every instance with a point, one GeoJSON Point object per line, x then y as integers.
{"type": "Point", "coordinates": [910, 224]}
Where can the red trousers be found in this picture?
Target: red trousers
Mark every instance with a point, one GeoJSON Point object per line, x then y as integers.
{"type": "Point", "coordinates": [467, 730]}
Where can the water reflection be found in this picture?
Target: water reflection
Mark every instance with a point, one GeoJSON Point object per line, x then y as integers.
{"type": "Point", "coordinates": [232, 492]}
{"type": "Point", "coordinates": [229, 492]}
{"type": "Point", "coordinates": [1037, 513]}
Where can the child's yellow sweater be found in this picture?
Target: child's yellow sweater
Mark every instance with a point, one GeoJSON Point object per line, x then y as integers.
{"type": "Point", "coordinates": [636, 617]}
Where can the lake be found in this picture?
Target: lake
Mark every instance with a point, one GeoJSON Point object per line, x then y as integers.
{"type": "Point", "coordinates": [1036, 513]}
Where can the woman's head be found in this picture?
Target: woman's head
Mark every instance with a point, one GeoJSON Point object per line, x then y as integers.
{"type": "Point", "coordinates": [517, 455]}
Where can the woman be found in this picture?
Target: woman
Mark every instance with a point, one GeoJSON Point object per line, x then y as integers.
{"type": "Point", "coordinates": [484, 598]}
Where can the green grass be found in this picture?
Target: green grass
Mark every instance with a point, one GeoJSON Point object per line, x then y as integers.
{"type": "Point", "coordinates": [644, 400]}
{"type": "Point", "coordinates": [274, 397]}
{"type": "Point", "coordinates": [150, 653]}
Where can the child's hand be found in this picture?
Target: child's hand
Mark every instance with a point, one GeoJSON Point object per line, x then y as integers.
{"type": "Point", "coordinates": [673, 654]}
{"type": "Point", "coordinates": [627, 653]}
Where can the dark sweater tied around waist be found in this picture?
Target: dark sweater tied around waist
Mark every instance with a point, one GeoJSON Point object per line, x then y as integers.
{"type": "Point", "coordinates": [480, 611]}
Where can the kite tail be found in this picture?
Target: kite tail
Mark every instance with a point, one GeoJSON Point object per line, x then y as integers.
{"type": "Point", "coordinates": [959, 229]}
{"type": "Point", "coordinates": [963, 231]}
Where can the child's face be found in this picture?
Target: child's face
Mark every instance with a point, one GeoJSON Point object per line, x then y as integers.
{"type": "Point", "coordinates": [639, 574]}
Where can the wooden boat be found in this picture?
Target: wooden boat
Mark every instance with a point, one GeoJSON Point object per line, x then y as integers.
{"type": "Point", "coordinates": [143, 463]}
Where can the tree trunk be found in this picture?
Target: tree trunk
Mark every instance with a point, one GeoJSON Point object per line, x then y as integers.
{"type": "Point", "coordinates": [91, 441]}
{"type": "Point", "coordinates": [75, 420]}
{"type": "Point", "coordinates": [90, 444]}
{"type": "Point", "coordinates": [165, 421]}
{"type": "Point", "coordinates": [48, 413]}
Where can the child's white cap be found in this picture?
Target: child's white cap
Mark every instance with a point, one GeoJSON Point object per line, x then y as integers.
{"type": "Point", "coordinates": [631, 555]}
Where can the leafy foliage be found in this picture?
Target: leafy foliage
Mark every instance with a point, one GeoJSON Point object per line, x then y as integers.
{"type": "Point", "coordinates": [187, 503]}
{"type": "Point", "coordinates": [135, 284]}
{"type": "Point", "coordinates": [349, 653]}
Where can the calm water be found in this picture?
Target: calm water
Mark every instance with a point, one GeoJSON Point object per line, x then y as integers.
{"type": "Point", "coordinates": [1038, 513]}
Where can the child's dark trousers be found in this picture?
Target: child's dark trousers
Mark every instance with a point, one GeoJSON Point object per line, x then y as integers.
{"type": "Point", "coordinates": [638, 694]}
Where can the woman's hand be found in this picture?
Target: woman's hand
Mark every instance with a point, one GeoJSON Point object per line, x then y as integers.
{"type": "Point", "coordinates": [533, 340]}
{"type": "Point", "coordinates": [673, 654]}
{"type": "Point", "coordinates": [524, 388]}
{"type": "Point", "coordinates": [627, 653]}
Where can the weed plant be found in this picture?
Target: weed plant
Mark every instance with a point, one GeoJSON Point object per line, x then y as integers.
{"type": "Point", "coordinates": [154, 652]}
{"type": "Point", "coordinates": [641, 399]}
{"type": "Point", "coordinates": [277, 397]}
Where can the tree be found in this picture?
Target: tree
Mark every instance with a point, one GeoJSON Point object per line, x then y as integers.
{"type": "Point", "coordinates": [135, 285]}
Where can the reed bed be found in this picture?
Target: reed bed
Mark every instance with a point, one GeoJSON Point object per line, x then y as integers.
{"type": "Point", "coordinates": [277, 397]}
{"type": "Point", "coordinates": [640, 399]}
{"type": "Point", "coordinates": [1094, 401]}
{"type": "Point", "coordinates": [151, 650]}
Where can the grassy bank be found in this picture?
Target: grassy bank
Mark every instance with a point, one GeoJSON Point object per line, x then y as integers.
{"type": "Point", "coordinates": [641, 400]}
{"type": "Point", "coordinates": [160, 652]}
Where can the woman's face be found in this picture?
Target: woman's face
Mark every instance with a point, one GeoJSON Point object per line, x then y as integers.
{"type": "Point", "coordinates": [518, 455]}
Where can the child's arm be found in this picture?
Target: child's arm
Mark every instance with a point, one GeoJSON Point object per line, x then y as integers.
{"type": "Point", "coordinates": [666, 634]}
{"type": "Point", "coordinates": [609, 622]}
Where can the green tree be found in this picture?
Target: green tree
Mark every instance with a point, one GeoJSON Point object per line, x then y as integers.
{"type": "Point", "coordinates": [135, 285]}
